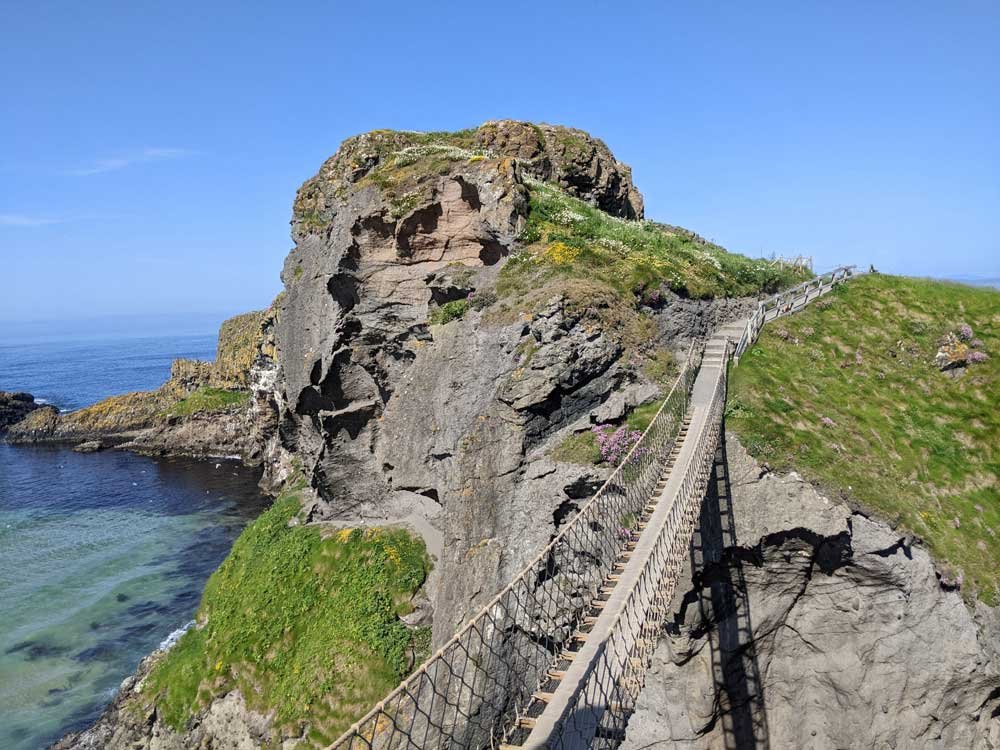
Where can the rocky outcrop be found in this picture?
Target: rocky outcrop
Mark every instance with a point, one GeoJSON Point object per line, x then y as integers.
{"type": "Point", "coordinates": [806, 624]}
{"type": "Point", "coordinates": [572, 159]}
{"type": "Point", "coordinates": [127, 724]}
{"type": "Point", "coordinates": [398, 164]}
{"type": "Point", "coordinates": [14, 407]}
{"type": "Point", "coordinates": [190, 414]}
{"type": "Point", "coordinates": [375, 399]}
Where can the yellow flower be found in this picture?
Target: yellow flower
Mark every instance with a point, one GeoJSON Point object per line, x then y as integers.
{"type": "Point", "coordinates": [561, 254]}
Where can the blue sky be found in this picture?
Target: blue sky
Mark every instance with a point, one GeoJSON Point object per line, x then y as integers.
{"type": "Point", "coordinates": [149, 152]}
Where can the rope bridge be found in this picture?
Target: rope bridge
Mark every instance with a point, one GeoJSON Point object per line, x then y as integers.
{"type": "Point", "coordinates": [557, 659]}
{"type": "Point", "coordinates": [787, 302]}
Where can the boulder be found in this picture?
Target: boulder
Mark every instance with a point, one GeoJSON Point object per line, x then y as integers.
{"type": "Point", "coordinates": [15, 406]}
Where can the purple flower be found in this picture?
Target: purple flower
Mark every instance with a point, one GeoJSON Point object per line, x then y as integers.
{"type": "Point", "coordinates": [976, 357]}
{"type": "Point", "coordinates": [827, 422]}
{"type": "Point", "coordinates": [976, 343]}
{"type": "Point", "coordinates": [965, 332]}
{"type": "Point", "coordinates": [614, 444]}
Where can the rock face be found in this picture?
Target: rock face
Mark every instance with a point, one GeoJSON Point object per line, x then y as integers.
{"type": "Point", "coordinates": [808, 625]}
{"type": "Point", "coordinates": [227, 724]}
{"type": "Point", "coordinates": [375, 400]}
{"type": "Point", "coordinates": [572, 159]}
{"type": "Point", "coordinates": [14, 407]}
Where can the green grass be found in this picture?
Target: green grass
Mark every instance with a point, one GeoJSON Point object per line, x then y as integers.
{"type": "Point", "coordinates": [640, 417]}
{"type": "Point", "coordinates": [906, 441]}
{"type": "Point", "coordinates": [305, 626]}
{"type": "Point", "coordinates": [660, 367]}
{"type": "Point", "coordinates": [448, 312]}
{"type": "Point", "coordinates": [579, 448]}
{"type": "Point", "coordinates": [207, 400]}
{"type": "Point", "coordinates": [568, 238]}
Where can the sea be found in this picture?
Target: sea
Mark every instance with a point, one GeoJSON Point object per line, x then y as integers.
{"type": "Point", "coordinates": [103, 556]}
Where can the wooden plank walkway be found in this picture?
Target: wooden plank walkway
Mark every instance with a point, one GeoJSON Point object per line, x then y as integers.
{"type": "Point", "coordinates": [617, 638]}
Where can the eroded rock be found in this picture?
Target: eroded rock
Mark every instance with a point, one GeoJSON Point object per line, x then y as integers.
{"type": "Point", "coordinates": [808, 625]}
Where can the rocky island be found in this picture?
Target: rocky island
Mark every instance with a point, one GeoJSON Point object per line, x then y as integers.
{"type": "Point", "coordinates": [463, 316]}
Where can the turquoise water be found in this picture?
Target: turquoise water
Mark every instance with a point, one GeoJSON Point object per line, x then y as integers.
{"type": "Point", "coordinates": [102, 555]}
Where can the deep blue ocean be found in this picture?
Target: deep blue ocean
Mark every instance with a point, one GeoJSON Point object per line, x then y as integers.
{"type": "Point", "coordinates": [102, 556]}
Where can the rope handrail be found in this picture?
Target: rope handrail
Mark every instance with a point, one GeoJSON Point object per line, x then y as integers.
{"type": "Point", "coordinates": [600, 701]}
{"type": "Point", "coordinates": [509, 644]}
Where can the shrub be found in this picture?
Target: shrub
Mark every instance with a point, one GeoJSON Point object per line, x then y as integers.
{"type": "Point", "coordinates": [449, 311]}
{"type": "Point", "coordinates": [481, 300]}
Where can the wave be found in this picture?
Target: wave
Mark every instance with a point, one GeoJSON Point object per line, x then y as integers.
{"type": "Point", "coordinates": [171, 640]}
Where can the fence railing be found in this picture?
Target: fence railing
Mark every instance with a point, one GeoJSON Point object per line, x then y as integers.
{"type": "Point", "coordinates": [472, 692]}
{"type": "Point", "coordinates": [786, 302]}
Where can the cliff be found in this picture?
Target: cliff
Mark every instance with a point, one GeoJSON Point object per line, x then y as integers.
{"type": "Point", "coordinates": [204, 408]}
{"type": "Point", "coordinates": [459, 304]}
{"type": "Point", "coordinates": [460, 311]}
{"type": "Point", "coordinates": [800, 622]}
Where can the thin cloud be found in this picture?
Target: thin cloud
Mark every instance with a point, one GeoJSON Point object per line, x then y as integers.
{"type": "Point", "coordinates": [22, 220]}
{"type": "Point", "coordinates": [146, 155]}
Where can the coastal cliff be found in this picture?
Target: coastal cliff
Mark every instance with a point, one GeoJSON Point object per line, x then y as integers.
{"type": "Point", "coordinates": [801, 622]}
{"type": "Point", "coordinates": [460, 311]}
{"type": "Point", "coordinates": [205, 409]}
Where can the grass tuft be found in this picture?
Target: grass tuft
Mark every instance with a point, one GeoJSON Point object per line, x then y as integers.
{"type": "Point", "coordinates": [579, 448]}
{"type": "Point", "coordinates": [206, 400]}
{"type": "Point", "coordinates": [449, 311]}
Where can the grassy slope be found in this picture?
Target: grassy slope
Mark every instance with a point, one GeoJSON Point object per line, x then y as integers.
{"type": "Point", "coordinates": [303, 625]}
{"type": "Point", "coordinates": [567, 238]}
{"type": "Point", "coordinates": [206, 400]}
{"type": "Point", "coordinates": [907, 441]}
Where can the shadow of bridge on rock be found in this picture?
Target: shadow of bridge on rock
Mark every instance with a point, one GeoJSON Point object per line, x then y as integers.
{"type": "Point", "coordinates": [725, 610]}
